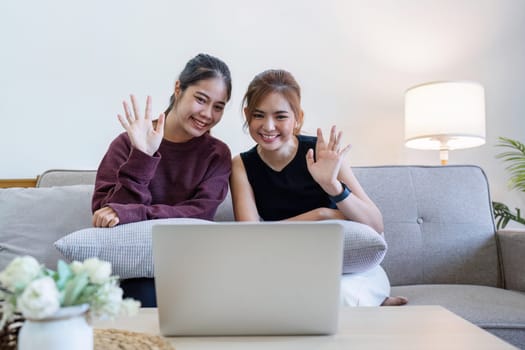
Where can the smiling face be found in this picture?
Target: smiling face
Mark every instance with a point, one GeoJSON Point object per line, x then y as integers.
{"type": "Point", "coordinates": [197, 110]}
{"type": "Point", "coordinates": [272, 123]}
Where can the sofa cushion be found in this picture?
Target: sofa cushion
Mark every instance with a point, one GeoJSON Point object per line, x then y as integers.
{"type": "Point", "coordinates": [438, 223]}
{"type": "Point", "coordinates": [128, 246]}
{"type": "Point", "coordinates": [31, 219]}
{"type": "Point", "coordinates": [496, 310]}
{"type": "Point", "coordinates": [225, 210]}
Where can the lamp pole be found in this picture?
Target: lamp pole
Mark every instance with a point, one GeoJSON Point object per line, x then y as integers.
{"type": "Point", "coordinates": [443, 150]}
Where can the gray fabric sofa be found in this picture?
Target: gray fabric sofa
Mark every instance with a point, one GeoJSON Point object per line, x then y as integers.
{"type": "Point", "coordinates": [443, 247]}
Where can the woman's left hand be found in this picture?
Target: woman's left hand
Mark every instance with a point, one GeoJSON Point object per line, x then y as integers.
{"type": "Point", "coordinates": [105, 217]}
{"type": "Point", "coordinates": [325, 168]}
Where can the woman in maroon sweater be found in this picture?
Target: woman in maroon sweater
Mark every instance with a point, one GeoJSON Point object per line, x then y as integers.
{"type": "Point", "coordinates": [170, 167]}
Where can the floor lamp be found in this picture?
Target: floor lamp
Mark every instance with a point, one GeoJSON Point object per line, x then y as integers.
{"type": "Point", "coordinates": [444, 116]}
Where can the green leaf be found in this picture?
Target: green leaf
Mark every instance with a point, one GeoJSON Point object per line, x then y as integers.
{"type": "Point", "coordinates": [515, 159]}
{"type": "Point", "coordinates": [503, 215]}
{"type": "Point", "coordinates": [74, 288]}
{"type": "Point", "coordinates": [50, 273]}
{"type": "Point", "coordinates": [64, 273]}
{"type": "Point", "coordinates": [87, 294]}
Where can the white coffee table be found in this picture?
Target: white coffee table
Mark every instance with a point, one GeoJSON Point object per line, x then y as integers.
{"type": "Point", "coordinates": [406, 327]}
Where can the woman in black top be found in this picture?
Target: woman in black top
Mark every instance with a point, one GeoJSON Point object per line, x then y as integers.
{"type": "Point", "coordinates": [282, 178]}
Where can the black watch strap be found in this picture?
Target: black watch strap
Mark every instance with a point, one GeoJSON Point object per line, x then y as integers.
{"type": "Point", "coordinates": [341, 196]}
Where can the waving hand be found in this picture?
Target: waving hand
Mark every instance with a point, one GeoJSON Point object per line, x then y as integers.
{"type": "Point", "coordinates": [143, 135]}
{"type": "Point", "coordinates": [329, 157]}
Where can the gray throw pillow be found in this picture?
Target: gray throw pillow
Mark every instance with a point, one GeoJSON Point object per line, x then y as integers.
{"type": "Point", "coordinates": [31, 219]}
{"type": "Point", "coordinates": [128, 246]}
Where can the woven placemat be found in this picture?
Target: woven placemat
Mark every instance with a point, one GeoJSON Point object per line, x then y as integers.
{"type": "Point", "coordinates": [109, 339]}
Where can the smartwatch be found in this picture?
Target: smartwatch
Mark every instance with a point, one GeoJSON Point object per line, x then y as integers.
{"type": "Point", "coordinates": [341, 196]}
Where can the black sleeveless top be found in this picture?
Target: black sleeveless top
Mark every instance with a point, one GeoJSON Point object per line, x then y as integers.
{"type": "Point", "coordinates": [292, 191]}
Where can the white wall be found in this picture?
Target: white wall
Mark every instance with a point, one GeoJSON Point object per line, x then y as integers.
{"type": "Point", "coordinates": [65, 67]}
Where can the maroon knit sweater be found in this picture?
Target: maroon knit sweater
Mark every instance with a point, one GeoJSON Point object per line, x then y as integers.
{"type": "Point", "coordinates": [180, 180]}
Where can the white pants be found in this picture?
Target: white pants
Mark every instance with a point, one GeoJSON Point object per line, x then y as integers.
{"type": "Point", "coordinates": [369, 288]}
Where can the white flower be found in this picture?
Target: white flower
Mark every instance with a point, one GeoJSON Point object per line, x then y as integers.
{"type": "Point", "coordinates": [77, 267]}
{"type": "Point", "coordinates": [107, 301]}
{"type": "Point", "coordinates": [129, 307]}
{"type": "Point", "coordinates": [97, 270]}
{"type": "Point", "coordinates": [19, 273]}
{"type": "Point", "coordinates": [40, 299]}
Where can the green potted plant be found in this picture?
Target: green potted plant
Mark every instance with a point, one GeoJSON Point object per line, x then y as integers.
{"type": "Point", "coordinates": [514, 156]}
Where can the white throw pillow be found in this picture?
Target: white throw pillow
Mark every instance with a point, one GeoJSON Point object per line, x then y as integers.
{"type": "Point", "coordinates": [364, 248]}
{"type": "Point", "coordinates": [31, 219]}
{"type": "Point", "coordinates": [128, 246]}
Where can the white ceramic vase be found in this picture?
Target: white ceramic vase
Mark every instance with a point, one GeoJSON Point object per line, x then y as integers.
{"type": "Point", "coordinates": [66, 329]}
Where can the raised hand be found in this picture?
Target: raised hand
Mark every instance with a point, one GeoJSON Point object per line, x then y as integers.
{"type": "Point", "coordinates": [143, 135]}
{"type": "Point", "coordinates": [329, 157]}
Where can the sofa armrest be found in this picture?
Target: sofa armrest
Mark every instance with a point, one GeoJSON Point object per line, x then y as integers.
{"type": "Point", "coordinates": [512, 246]}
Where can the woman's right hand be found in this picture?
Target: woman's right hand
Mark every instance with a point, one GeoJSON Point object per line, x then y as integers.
{"type": "Point", "coordinates": [319, 214]}
{"type": "Point", "coordinates": [330, 214]}
{"type": "Point", "coordinates": [142, 134]}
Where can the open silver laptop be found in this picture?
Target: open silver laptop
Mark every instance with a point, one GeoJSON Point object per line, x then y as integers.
{"type": "Point", "coordinates": [266, 278]}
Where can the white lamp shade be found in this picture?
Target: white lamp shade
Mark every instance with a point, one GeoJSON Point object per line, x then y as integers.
{"type": "Point", "coordinates": [445, 115]}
